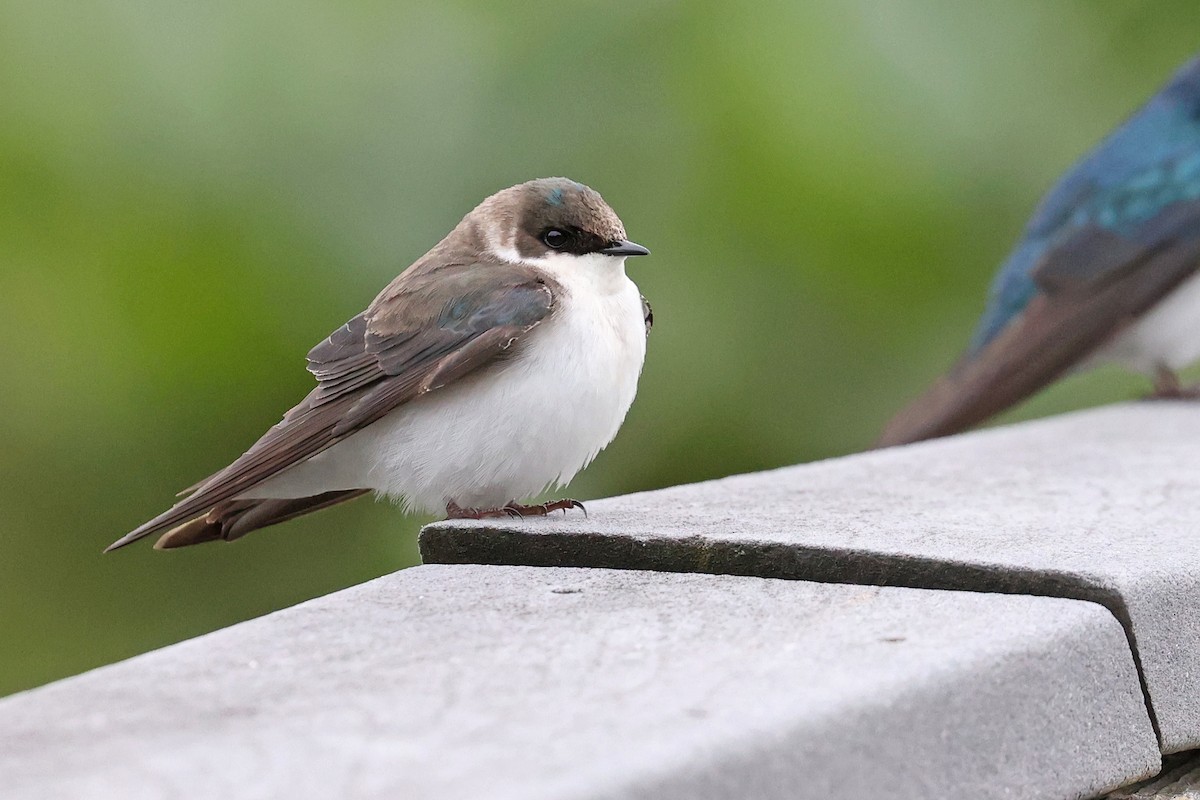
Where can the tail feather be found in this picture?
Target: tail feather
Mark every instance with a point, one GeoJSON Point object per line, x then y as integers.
{"type": "Point", "coordinates": [951, 405]}
{"type": "Point", "coordinates": [233, 519]}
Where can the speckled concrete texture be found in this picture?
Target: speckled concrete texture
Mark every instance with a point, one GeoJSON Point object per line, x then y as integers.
{"type": "Point", "coordinates": [1102, 505]}
{"type": "Point", "coordinates": [466, 682]}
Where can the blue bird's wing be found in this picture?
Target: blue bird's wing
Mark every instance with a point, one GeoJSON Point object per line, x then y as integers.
{"type": "Point", "coordinates": [1114, 236]}
{"type": "Point", "coordinates": [431, 326]}
{"type": "Point", "coordinates": [1118, 211]}
{"type": "Point", "coordinates": [1087, 289]}
{"type": "Point", "coordinates": [1149, 162]}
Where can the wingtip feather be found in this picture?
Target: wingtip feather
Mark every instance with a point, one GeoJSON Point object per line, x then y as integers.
{"type": "Point", "coordinates": [127, 539]}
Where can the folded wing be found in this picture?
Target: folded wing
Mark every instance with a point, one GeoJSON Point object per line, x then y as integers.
{"type": "Point", "coordinates": [1088, 288]}
{"type": "Point", "coordinates": [431, 326]}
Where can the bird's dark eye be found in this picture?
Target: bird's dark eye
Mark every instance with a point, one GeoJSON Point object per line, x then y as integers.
{"type": "Point", "coordinates": [555, 239]}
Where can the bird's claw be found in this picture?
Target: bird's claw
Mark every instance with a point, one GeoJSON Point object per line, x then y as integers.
{"type": "Point", "coordinates": [514, 510]}
{"type": "Point", "coordinates": [564, 505]}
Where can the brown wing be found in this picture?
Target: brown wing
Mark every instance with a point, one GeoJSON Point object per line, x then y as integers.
{"type": "Point", "coordinates": [431, 326]}
{"type": "Point", "coordinates": [1092, 286]}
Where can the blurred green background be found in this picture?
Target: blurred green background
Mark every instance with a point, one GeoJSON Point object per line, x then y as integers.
{"type": "Point", "coordinates": [192, 194]}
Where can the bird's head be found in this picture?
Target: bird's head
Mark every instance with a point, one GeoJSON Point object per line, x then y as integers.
{"type": "Point", "coordinates": [551, 219]}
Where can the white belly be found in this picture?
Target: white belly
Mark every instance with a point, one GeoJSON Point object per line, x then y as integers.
{"type": "Point", "coordinates": [511, 431]}
{"type": "Point", "coordinates": [1167, 335]}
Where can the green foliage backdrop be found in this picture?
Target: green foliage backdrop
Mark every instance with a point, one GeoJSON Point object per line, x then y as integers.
{"type": "Point", "coordinates": [192, 194]}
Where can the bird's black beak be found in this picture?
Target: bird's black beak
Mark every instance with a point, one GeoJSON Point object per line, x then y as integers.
{"type": "Point", "coordinates": [625, 248]}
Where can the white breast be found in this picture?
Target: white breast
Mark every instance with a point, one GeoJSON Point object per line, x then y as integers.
{"type": "Point", "coordinates": [1167, 335]}
{"type": "Point", "coordinates": [513, 430]}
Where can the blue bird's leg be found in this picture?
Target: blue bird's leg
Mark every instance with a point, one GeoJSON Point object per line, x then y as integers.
{"type": "Point", "coordinates": [1168, 387]}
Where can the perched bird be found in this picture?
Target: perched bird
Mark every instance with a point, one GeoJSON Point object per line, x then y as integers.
{"type": "Point", "coordinates": [497, 365]}
{"type": "Point", "coordinates": [1104, 272]}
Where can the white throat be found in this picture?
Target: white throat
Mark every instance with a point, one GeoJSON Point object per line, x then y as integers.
{"type": "Point", "coordinates": [604, 275]}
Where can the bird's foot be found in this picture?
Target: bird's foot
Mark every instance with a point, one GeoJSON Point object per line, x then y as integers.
{"type": "Point", "coordinates": [455, 511]}
{"type": "Point", "coordinates": [1182, 393]}
{"type": "Point", "coordinates": [542, 509]}
{"type": "Point", "coordinates": [1168, 387]}
{"type": "Point", "coordinates": [514, 510]}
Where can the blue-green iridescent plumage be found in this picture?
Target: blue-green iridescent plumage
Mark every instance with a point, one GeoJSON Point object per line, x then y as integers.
{"type": "Point", "coordinates": [1151, 162]}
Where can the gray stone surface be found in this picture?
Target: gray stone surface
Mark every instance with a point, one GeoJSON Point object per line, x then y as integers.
{"type": "Point", "coordinates": [478, 682]}
{"type": "Point", "coordinates": [1102, 505]}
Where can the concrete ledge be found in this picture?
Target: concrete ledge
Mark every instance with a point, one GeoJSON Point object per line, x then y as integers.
{"type": "Point", "coordinates": [477, 682]}
{"type": "Point", "coordinates": [1102, 505]}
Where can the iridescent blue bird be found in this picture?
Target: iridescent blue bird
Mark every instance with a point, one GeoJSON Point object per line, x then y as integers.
{"type": "Point", "coordinates": [1106, 271]}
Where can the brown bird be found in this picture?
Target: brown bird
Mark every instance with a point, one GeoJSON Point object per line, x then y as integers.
{"type": "Point", "coordinates": [498, 364]}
